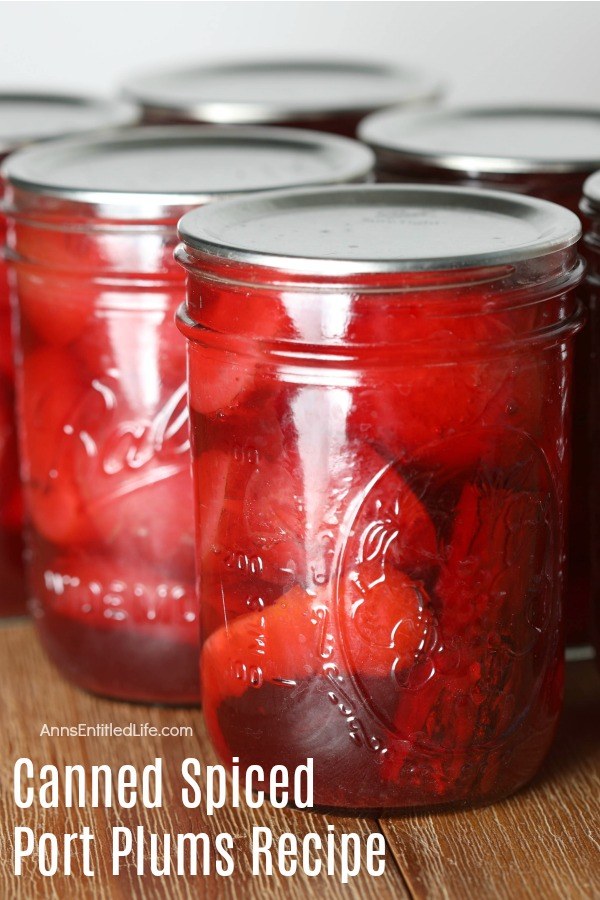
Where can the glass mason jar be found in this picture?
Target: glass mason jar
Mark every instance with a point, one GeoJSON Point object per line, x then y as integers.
{"type": "Point", "coordinates": [329, 96]}
{"type": "Point", "coordinates": [544, 152]}
{"type": "Point", "coordinates": [379, 386]}
{"type": "Point", "coordinates": [102, 384]}
{"type": "Point", "coordinates": [24, 118]}
{"type": "Point", "coordinates": [590, 207]}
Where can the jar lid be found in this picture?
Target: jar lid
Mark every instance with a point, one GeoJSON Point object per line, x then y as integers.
{"type": "Point", "coordinates": [137, 171]}
{"type": "Point", "coordinates": [591, 190]}
{"type": "Point", "coordinates": [500, 140]}
{"type": "Point", "coordinates": [27, 117]}
{"type": "Point", "coordinates": [277, 90]}
{"type": "Point", "coordinates": [380, 228]}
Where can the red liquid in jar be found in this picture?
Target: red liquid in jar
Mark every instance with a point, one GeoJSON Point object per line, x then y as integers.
{"type": "Point", "coordinates": [271, 550]}
{"type": "Point", "coordinates": [379, 531]}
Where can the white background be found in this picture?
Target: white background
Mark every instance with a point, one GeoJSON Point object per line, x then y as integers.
{"type": "Point", "coordinates": [541, 51]}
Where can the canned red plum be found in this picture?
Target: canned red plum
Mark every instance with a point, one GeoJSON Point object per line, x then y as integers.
{"type": "Point", "coordinates": [379, 388]}
{"type": "Point", "coordinates": [102, 384]}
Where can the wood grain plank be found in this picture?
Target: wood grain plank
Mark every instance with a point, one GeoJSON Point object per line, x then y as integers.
{"type": "Point", "coordinates": [543, 842]}
{"type": "Point", "coordinates": [33, 693]}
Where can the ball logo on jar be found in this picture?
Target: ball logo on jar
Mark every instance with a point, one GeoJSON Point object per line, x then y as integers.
{"type": "Point", "coordinates": [103, 471]}
{"type": "Point", "coordinates": [136, 442]}
{"type": "Point", "coordinates": [104, 439]}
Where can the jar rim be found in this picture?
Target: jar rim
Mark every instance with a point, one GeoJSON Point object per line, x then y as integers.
{"type": "Point", "coordinates": [152, 172]}
{"type": "Point", "coordinates": [550, 334]}
{"type": "Point", "coordinates": [406, 139]}
{"type": "Point", "coordinates": [233, 93]}
{"type": "Point", "coordinates": [258, 231]}
{"type": "Point", "coordinates": [34, 116]}
{"type": "Point", "coordinates": [591, 194]}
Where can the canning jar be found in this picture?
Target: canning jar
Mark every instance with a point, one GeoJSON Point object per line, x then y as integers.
{"type": "Point", "coordinates": [327, 95]}
{"type": "Point", "coordinates": [590, 208]}
{"type": "Point", "coordinates": [102, 384]}
{"type": "Point", "coordinates": [24, 118]}
{"type": "Point", "coordinates": [546, 152]}
{"type": "Point", "coordinates": [379, 387]}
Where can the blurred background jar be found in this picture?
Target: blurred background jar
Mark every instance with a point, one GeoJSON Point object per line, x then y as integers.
{"type": "Point", "coordinates": [101, 383]}
{"type": "Point", "coordinates": [379, 385]}
{"type": "Point", "coordinates": [322, 94]}
{"type": "Point", "coordinates": [25, 118]}
{"type": "Point", "coordinates": [546, 152]}
{"type": "Point", "coordinates": [590, 208]}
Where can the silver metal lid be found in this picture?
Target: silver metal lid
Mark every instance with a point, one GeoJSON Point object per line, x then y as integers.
{"type": "Point", "coordinates": [278, 90]}
{"type": "Point", "coordinates": [164, 167]}
{"type": "Point", "coordinates": [28, 117]}
{"type": "Point", "coordinates": [591, 190]}
{"type": "Point", "coordinates": [380, 228]}
{"type": "Point", "coordinates": [501, 140]}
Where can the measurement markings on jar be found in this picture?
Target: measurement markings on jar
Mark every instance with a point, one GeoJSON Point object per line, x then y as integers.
{"type": "Point", "coordinates": [250, 675]}
{"type": "Point", "coordinates": [243, 562]}
{"type": "Point", "coordinates": [325, 638]}
{"type": "Point", "coordinates": [248, 455]}
{"type": "Point", "coordinates": [357, 731]}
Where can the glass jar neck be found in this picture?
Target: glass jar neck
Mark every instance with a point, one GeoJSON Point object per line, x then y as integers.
{"type": "Point", "coordinates": [448, 313]}
{"type": "Point", "coordinates": [73, 240]}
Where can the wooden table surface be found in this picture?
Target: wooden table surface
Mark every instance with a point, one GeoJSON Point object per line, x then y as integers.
{"type": "Point", "coordinates": [542, 844]}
